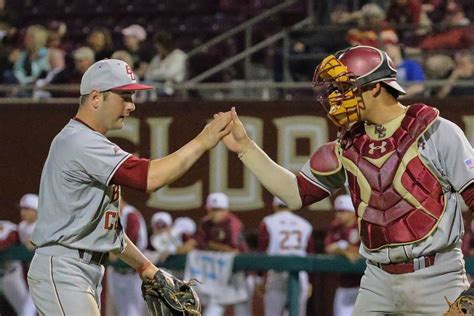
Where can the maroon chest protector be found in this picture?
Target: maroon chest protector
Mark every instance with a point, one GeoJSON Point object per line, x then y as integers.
{"type": "Point", "coordinates": [399, 210]}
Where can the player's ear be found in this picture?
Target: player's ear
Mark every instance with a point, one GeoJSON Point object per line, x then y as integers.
{"type": "Point", "coordinates": [376, 89]}
{"type": "Point", "coordinates": [95, 98]}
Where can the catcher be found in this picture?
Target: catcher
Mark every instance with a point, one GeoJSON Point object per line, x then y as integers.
{"type": "Point", "coordinates": [405, 167]}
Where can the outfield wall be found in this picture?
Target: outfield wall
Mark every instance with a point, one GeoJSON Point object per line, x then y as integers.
{"type": "Point", "coordinates": [288, 132]}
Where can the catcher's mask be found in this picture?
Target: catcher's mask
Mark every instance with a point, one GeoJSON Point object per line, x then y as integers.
{"type": "Point", "coordinates": [340, 79]}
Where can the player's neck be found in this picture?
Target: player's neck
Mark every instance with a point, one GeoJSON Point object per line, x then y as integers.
{"type": "Point", "coordinates": [386, 114]}
{"type": "Point", "coordinates": [89, 122]}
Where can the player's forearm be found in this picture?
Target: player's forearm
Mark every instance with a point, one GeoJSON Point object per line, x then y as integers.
{"type": "Point", "coordinates": [165, 170]}
{"type": "Point", "coordinates": [132, 255]}
{"type": "Point", "coordinates": [276, 179]}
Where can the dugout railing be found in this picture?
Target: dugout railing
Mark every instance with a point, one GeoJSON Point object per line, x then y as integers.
{"type": "Point", "coordinates": [258, 262]}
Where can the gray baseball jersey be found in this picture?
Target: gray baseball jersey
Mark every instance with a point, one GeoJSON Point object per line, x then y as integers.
{"type": "Point", "coordinates": [449, 155]}
{"type": "Point", "coordinates": [78, 207]}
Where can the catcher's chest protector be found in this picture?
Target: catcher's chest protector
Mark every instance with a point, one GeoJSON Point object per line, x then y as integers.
{"type": "Point", "coordinates": [397, 198]}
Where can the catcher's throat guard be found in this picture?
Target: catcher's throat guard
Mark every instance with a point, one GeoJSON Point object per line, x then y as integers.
{"type": "Point", "coordinates": [338, 91]}
{"type": "Point", "coordinates": [166, 295]}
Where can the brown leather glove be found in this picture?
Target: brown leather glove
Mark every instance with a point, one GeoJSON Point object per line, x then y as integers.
{"type": "Point", "coordinates": [463, 305]}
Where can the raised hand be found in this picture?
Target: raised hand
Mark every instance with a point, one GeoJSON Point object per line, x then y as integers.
{"type": "Point", "coordinates": [237, 140]}
{"type": "Point", "coordinates": [215, 130]}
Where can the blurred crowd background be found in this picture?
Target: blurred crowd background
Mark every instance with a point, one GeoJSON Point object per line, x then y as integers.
{"type": "Point", "coordinates": [166, 42]}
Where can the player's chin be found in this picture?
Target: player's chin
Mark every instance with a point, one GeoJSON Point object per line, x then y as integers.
{"type": "Point", "coordinates": [119, 123]}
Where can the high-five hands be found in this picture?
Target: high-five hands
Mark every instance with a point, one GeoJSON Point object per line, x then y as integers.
{"type": "Point", "coordinates": [215, 130]}
{"type": "Point", "coordinates": [237, 140]}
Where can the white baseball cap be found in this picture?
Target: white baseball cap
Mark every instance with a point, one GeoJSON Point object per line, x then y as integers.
{"type": "Point", "coordinates": [110, 74]}
{"type": "Point", "coordinates": [185, 225]}
{"type": "Point", "coordinates": [135, 30]}
{"type": "Point", "coordinates": [217, 200]}
{"type": "Point", "coordinates": [344, 203]}
{"type": "Point", "coordinates": [29, 200]}
{"type": "Point", "coordinates": [161, 220]}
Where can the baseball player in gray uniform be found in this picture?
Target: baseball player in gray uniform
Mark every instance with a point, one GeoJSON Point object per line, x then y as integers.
{"type": "Point", "coordinates": [404, 166]}
{"type": "Point", "coordinates": [78, 214]}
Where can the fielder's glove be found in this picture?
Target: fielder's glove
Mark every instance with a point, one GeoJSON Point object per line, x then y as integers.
{"type": "Point", "coordinates": [463, 305]}
{"type": "Point", "coordinates": [166, 295]}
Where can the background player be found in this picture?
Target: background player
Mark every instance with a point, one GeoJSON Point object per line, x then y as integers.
{"type": "Point", "coordinates": [404, 166]}
{"type": "Point", "coordinates": [124, 283]}
{"type": "Point", "coordinates": [220, 230]}
{"type": "Point", "coordinates": [13, 281]}
{"type": "Point", "coordinates": [343, 239]}
{"type": "Point", "coordinates": [78, 215]}
{"type": "Point", "coordinates": [284, 233]}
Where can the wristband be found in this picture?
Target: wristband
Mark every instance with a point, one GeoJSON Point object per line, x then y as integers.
{"type": "Point", "coordinates": [144, 267]}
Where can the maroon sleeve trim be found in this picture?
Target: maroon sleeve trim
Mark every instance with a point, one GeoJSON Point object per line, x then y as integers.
{"type": "Point", "coordinates": [309, 192]}
{"type": "Point", "coordinates": [133, 173]}
{"type": "Point", "coordinates": [468, 196]}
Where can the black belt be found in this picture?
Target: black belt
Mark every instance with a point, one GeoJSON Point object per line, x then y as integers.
{"type": "Point", "coordinates": [93, 256]}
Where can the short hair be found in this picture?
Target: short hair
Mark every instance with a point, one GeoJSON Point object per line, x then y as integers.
{"type": "Point", "coordinates": [83, 98]}
{"type": "Point", "coordinates": [39, 33]}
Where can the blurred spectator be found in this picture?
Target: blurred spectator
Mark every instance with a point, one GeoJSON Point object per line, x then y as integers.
{"type": "Point", "coordinates": [123, 55]}
{"type": "Point", "coordinates": [410, 18]}
{"type": "Point", "coordinates": [410, 74]}
{"type": "Point", "coordinates": [13, 282]}
{"type": "Point", "coordinates": [405, 12]}
{"type": "Point", "coordinates": [28, 212]}
{"type": "Point", "coordinates": [100, 40]}
{"type": "Point", "coordinates": [134, 37]}
{"type": "Point", "coordinates": [438, 67]}
{"type": "Point", "coordinates": [57, 64]}
{"type": "Point", "coordinates": [343, 239]}
{"type": "Point", "coordinates": [220, 230]}
{"type": "Point", "coordinates": [284, 233]}
{"type": "Point", "coordinates": [56, 32]}
{"type": "Point", "coordinates": [372, 28]}
{"type": "Point", "coordinates": [456, 33]}
{"type": "Point", "coordinates": [169, 64]}
{"type": "Point", "coordinates": [32, 61]}
{"type": "Point", "coordinates": [124, 283]}
{"type": "Point", "coordinates": [463, 70]}
{"type": "Point", "coordinates": [83, 58]}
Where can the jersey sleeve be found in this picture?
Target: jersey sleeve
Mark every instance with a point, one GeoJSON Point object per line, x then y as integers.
{"type": "Point", "coordinates": [324, 169]}
{"type": "Point", "coordinates": [96, 156]}
{"type": "Point", "coordinates": [456, 154]}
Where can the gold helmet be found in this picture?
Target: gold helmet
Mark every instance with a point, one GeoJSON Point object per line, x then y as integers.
{"type": "Point", "coordinates": [340, 79]}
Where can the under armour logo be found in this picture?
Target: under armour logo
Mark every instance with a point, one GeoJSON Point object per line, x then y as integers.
{"type": "Point", "coordinates": [382, 147]}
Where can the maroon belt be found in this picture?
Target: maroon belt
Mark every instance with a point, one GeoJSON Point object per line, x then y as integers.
{"type": "Point", "coordinates": [407, 266]}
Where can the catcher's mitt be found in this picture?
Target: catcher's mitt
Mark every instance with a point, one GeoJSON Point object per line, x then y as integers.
{"type": "Point", "coordinates": [463, 305]}
{"type": "Point", "coordinates": [166, 295]}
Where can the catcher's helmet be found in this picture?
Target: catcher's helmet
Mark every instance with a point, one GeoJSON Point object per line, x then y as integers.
{"type": "Point", "coordinates": [339, 80]}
